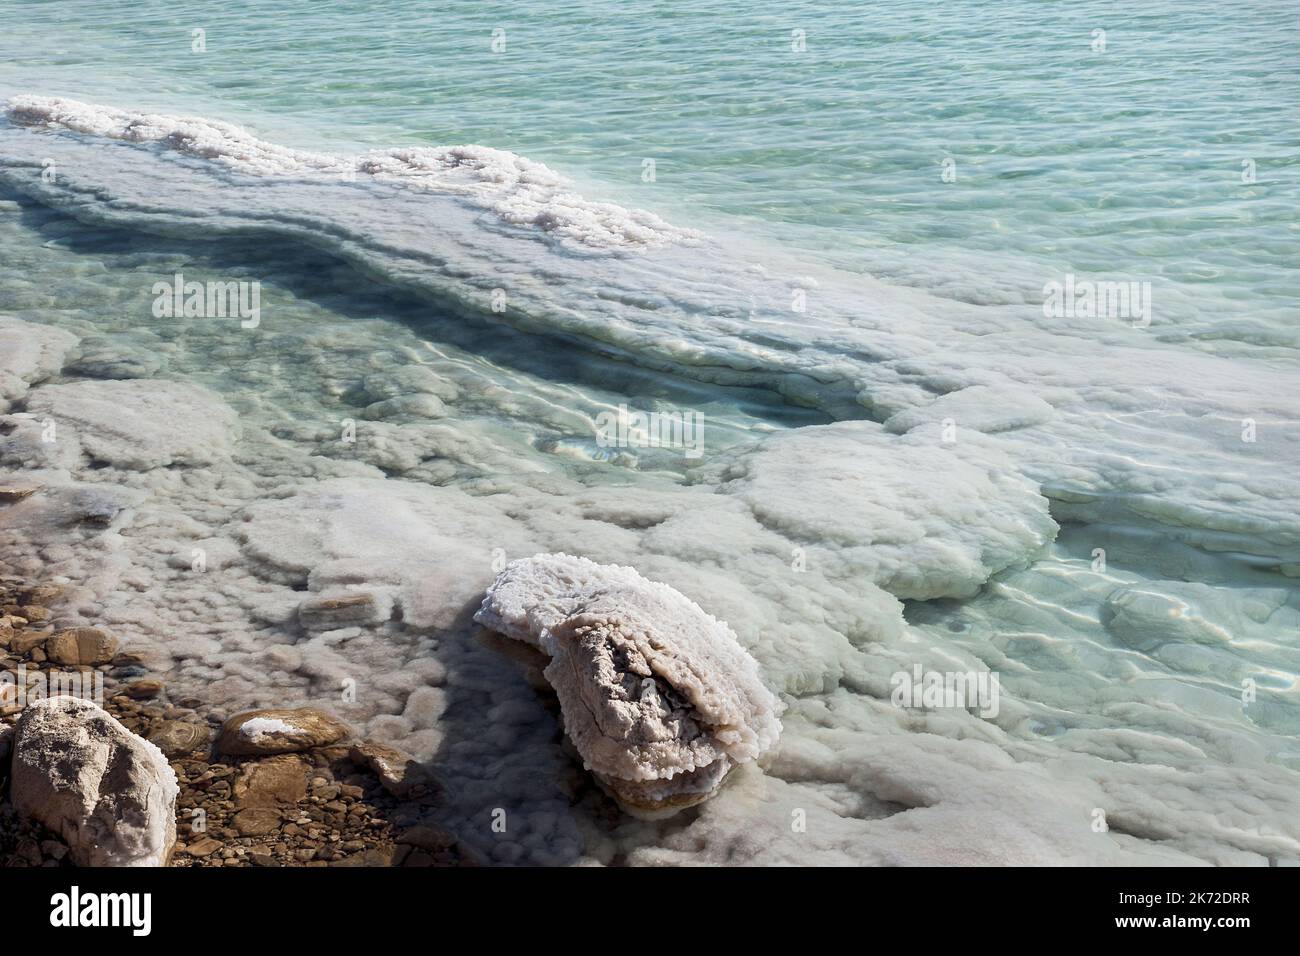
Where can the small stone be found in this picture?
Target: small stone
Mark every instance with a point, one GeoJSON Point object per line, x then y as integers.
{"type": "Point", "coordinates": [375, 856]}
{"type": "Point", "coordinates": [201, 848]}
{"type": "Point", "coordinates": [29, 851]}
{"type": "Point", "coordinates": [23, 643]}
{"type": "Point", "coordinates": [178, 737]}
{"type": "Point", "coordinates": [144, 689]}
{"type": "Point", "coordinates": [256, 821]}
{"type": "Point", "coordinates": [271, 782]}
{"type": "Point", "coordinates": [330, 612]}
{"type": "Point", "coordinates": [82, 646]}
{"type": "Point", "coordinates": [43, 595]}
{"type": "Point", "coordinates": [12, 492]}
{"type": "Point", "coordinates": [427, 837]}
{"type": "Point", "coordinates": [34, 612]}
{"type": "Point", "coordinates": [397, 772]}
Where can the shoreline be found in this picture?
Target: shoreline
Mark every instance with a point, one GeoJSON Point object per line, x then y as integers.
{"type": "Point", "coordinates": [345, 803]}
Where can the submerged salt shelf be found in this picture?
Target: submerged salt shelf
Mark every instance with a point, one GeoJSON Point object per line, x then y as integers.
{"type": "Point", "coordinates": [891, 481]}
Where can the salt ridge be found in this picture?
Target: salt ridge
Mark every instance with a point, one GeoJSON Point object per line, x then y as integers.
{"type": "Point", "coordinates": [518, 190]}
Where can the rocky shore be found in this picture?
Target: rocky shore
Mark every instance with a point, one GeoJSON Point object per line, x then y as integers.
{"type": "Point", "coordinates": [261, 788]}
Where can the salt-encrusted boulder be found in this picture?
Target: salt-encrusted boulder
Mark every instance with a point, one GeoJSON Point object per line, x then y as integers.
{"type": "Point", "coordinates": [658, 696]}
{"type": "Point", "coordinates": [108, 793]}
{"type": "Point", "coordinates": [274, 731]}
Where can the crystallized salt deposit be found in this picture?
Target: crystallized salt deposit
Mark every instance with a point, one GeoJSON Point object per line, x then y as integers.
{"type": "Point", "coordinates": [658, 696]}
{"type": "Point", "coordinates": [918, 518]}
{"type": "Point", "coordinates": [28, 353]}
{"type": "Point", "coordinates": [255, 728]}
{"type": "Point", "coordinates": [519, 191]}
{"type": "Point", "coordinates": [140, 423]}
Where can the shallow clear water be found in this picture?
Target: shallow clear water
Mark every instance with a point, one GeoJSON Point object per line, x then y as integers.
{"type": "Point", "coordinates": [841, 556]}
{"type": "Point", "coordinates": [1125, 161]}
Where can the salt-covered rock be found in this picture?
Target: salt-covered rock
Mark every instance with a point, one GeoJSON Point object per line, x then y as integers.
{"type": "Point", "coordinates": [28, 354]}
{"type": "Point", "coordinates": [657, 695]}
{"type": "Point", "coordinates": [108, 793]}
{"type": "Point", "coordinates": [279, 731]}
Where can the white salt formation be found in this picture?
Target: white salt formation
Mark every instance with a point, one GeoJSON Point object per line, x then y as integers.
{"type": "Point", "coordinates": [658, 696]}
{"type": "Point", "coordinates": [140, 424]}
{"type": "Point", "coordinates": [518, 190]}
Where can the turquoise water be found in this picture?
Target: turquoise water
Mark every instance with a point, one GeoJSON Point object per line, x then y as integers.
{"type": "Point", "coordinates": [907, 461]}
{"type": "Point", "coordinates": [1127, 160]}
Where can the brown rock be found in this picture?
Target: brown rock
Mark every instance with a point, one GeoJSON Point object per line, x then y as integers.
{"type": "Point", "coordinates": [398, 772]}
{"type": "Point", "coordinates": [23, 643]}
{"type": "Point", "coordinates": [427, 837]}
{"type": "Point", "coordinates": [328, 612]}
{"type": "Point", "coordinates": [82, 645]}
{"type": "Point", "coordinates": [34, 612]}
{"type": "Point", "coordinates": [261, 856]}
{"type": "Point", "coordinates": [203, 847]}
{"type": "Point", "coordinates": [177, 737]}
{"type": "Point", "coordinates": [375, 856]}
{"type": "Point", "coordinates": [271, 782]}
{"type": "Point", "coordinates": [279, 731]}
{"type": "Point", "coordinates": [144, 689]}
{"type": "Point", "coordinates": [43, 595]}
{"type": "Point", "coordinates": [12, 492]}
{"type": "Point", "coordinates": [256, 821]}
{"type": "Point", "coordinates": [131, 658]}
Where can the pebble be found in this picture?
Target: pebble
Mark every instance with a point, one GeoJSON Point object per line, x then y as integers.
{"type": "Point", "coordinates": [144, 689]}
